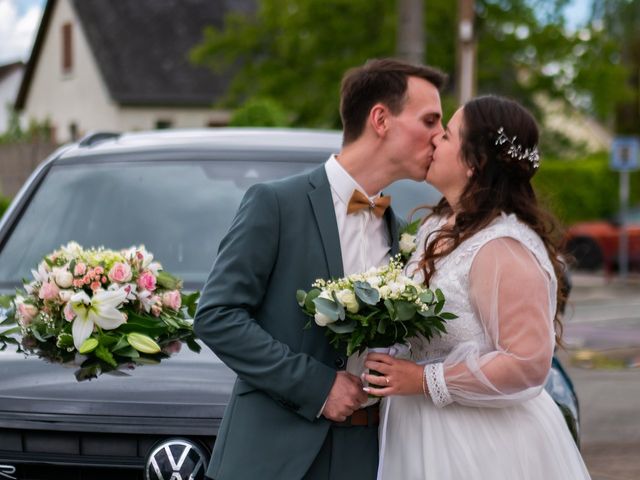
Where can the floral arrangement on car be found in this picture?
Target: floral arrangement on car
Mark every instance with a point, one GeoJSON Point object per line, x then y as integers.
{"type": "Point", "coordinates": [375, 309]}
{"type": "Point", "coordinates": [110, 307]}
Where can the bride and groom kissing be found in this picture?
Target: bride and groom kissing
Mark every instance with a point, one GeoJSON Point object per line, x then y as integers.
{"type": "Point", "coordinates": [467, 404]}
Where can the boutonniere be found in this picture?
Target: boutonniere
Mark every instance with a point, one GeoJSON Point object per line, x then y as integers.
{"type": "Point", "coordinates": [408, 240]}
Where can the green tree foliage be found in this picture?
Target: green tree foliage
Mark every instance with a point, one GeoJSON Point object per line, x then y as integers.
{"type": "Point", "coordinates": [296, 51]}
{"type": "Point", "coordinates": [584, 189]}
{"type": "Point", "coordinates": [617, 22]}
{"type": "Point", "coordinates": [259, 112]}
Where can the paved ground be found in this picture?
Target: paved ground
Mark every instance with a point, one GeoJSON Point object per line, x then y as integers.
{"type": "Point", "coordinates": [602, 332]}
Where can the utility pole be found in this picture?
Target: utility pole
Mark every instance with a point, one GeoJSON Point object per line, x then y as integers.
{"type": "Point", "coordinates": [410, 39]}
{"type": "Point", "coordinates": [466, 52]}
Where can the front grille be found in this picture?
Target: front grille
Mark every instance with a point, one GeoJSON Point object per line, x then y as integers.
{"type": "Point", "coordinates": [44, 455]}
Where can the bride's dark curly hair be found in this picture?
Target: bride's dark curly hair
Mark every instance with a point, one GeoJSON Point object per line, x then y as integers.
{"type": "Point", "coordinates": [499, 183]}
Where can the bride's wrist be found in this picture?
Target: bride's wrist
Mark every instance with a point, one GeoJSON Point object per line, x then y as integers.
{"type": "Point", "coordinates": [425, 389]}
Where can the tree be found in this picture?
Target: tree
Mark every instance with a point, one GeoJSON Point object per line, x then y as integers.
{"type": "Point", "coordinates": [616, 24]}
{"type": "Point", "coordinates": [296, 51]}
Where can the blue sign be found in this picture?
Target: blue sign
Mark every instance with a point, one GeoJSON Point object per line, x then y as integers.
{"type": "Point", "coordinates": [624, 154]}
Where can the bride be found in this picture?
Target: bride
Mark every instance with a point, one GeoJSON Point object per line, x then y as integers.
{"type": "Point", "coordinates": [470, 403]}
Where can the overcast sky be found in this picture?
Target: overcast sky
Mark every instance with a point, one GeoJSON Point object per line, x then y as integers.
{"type": "Point", "coordinates": [19, 20]}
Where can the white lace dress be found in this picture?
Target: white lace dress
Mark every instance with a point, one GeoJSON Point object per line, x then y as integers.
{"type": "Point", "coordinates": [489, 417]}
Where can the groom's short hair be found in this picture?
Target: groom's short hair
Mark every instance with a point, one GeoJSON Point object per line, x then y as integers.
{"type": "Point", "coordinates": [378, 81]}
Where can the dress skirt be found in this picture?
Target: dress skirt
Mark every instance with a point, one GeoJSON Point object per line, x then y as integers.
{"type": "Point", "coordinates": [526, 441]}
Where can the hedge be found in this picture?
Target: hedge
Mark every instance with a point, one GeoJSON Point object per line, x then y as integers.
{"type": "Point", "coordinates": [583, 189]}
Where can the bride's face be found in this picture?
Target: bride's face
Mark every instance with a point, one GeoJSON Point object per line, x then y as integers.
{"type": "Point", "coordinates": [447, 172]}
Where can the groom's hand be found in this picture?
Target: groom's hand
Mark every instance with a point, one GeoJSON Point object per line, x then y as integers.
{"type": "Point", "coordinates": [344, 398]}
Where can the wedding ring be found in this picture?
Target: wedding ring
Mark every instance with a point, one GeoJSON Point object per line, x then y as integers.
{"type": "Point", "coordinates": [387, 379]}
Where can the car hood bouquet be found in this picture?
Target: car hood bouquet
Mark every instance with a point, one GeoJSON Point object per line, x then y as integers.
{"type": "Point", "coordinates": [108, 305]}
{"type": "Point", "coordinates": [375, 309]}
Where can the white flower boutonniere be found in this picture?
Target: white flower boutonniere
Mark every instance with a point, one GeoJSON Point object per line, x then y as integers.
{"type": "Point", "coordinates": [408, 239]}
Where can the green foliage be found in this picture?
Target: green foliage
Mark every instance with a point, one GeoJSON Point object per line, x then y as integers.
{"type": "Point", "coordinates": [582, 189]}
{"type": "Point", "coordinates": [4, 204]}
{"type": "Point", "coordinates": [296, 51]}
{"type": "Point", "coordinates": [259, 112]}
{"type": "Point", "coordinates": [15, 133]}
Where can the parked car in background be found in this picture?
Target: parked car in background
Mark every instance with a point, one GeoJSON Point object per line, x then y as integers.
{"type": "Point", "coordinates": [594, 245]}
{"type": "Point", "coordinates": [176, 192]}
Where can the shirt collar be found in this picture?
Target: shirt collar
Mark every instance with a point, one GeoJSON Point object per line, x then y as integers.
{"type": "Point", "coordinates": [342, 183]}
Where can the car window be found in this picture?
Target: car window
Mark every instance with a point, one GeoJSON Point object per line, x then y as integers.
{"type": "Point", "coordinates": [179, 210]}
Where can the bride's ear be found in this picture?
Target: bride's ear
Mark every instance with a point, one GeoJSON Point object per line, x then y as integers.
{"type": "Point", "coordinates": [470, 172]}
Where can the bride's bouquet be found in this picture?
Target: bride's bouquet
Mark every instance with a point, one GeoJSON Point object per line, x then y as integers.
{"type": "Point", "coordinates": [377, 308]}
{"type": "Point", "coordinates": [106, 305]}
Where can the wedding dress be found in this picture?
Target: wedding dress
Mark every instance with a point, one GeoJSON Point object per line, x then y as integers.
{"type": "Point", "coordinates": [488, 416]}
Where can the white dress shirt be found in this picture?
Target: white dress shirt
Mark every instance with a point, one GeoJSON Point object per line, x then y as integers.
{"type": "Point", "coordinates": [364, 238]}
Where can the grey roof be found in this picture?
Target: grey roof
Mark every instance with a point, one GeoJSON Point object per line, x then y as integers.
{"type": "Point", "coordinates": [8, 69]}
{"type": "Point", "coordinates": [142, 46]}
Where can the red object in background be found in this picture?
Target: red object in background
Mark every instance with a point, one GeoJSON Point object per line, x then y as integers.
{"type": "Point", "coordinates": [595, 244]}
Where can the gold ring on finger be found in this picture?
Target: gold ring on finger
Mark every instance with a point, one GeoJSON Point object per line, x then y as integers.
{"type": "Point", "coordinates": [387, 379]}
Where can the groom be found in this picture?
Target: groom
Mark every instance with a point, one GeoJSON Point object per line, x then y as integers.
{"type": "Point", "coordinates": [295, 411]}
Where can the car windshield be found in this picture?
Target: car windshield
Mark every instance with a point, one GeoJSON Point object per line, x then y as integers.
{"type": "Point", "coordinates": [179, 210]}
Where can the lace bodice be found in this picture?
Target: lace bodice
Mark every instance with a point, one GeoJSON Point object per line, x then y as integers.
{"type": "Point", "coordinates": [470, 331]}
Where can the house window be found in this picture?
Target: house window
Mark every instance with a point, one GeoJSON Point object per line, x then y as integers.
{"type": "Point", "coordinates": [67, 48]}
{"type": "Point", "coordinates": [163, 124]}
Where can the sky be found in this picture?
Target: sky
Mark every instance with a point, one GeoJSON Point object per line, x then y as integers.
{"type": "Point", "coordinates": [19, 20]}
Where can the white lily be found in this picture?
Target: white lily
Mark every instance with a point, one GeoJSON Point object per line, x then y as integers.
{"type": "Point", "coordinates": [101, 310]}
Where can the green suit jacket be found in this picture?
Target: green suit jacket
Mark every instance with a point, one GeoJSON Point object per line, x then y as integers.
{"type": "Point", "coordinates": [283, 238]}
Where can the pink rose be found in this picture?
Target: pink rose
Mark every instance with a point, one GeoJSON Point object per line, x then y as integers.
{"type": "Point", "coordinates": [147, 281]}
{"type": "Point", "coordinates": [94, 286]}
{"type": "Point", "coordinates": [48, 291]}
{"type": "Point", "coordinates": [172, 300]}
{"type": "Point", "coordinates": [80, 269]}
{"type": "Point", "coordinates": [26, 313]}
{"type": "Point", "coordinates": [120, 272]}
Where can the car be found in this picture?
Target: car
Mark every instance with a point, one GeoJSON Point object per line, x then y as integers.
{"type": "Point", "coordinates": [176, 192]}
{"type": "Point", "coordinates": [594, 244]}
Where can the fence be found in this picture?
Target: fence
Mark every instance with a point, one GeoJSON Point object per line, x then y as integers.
{"type": "Point", "coordinates": [18, 160]}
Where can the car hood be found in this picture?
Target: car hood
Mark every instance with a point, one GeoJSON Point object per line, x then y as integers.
{"type": "Point", "coordinates": [187, 387]}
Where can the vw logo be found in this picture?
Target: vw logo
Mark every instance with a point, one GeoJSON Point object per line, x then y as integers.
{"type": "Point", "coordinates": [176, 459]}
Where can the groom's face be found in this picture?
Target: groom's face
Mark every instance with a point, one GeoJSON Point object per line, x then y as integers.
{"type": "Point", "coordinates": [415, 128]}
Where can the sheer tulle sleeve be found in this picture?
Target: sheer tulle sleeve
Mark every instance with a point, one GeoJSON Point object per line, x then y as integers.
{"type": "Point", "coordinates": [515, 300]}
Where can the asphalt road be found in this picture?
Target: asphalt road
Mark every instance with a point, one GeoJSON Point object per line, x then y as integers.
{"type": "Point", "coordinates": [602, 333]}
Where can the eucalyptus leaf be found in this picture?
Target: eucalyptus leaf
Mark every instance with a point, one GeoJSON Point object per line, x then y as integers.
{"type": "Point", "coordinates": [405, 310]}
{"type": "Point", "coordinates": [309, 305]}
{"type": "Point", "coordinates": [327, 307]}
{"type": "Point", "coordinates": [426, 297]}
{"type": "Point", "coordinates": [347, 326]}
{"type": "Point", "coordinates": [301, 295]}
{"type": "Point", "coordinates": [366, 293]}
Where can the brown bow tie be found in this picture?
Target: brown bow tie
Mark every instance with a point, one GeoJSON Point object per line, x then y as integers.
{"type": "Point", "coordinates": [359, 201]}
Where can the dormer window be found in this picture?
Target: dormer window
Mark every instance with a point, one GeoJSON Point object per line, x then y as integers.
{"type": "Point", "coordinates": [67, 48]}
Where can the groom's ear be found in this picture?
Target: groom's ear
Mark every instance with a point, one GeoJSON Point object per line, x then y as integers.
{"type": "Point", "coordinates": [379, 119]}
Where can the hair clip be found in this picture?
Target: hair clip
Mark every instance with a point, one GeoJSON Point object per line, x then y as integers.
{"type": "Point", "coordinates": [515, 150]}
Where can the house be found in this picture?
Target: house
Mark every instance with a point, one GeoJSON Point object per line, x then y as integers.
{"type": "Point", "coordinates": [123, 65]}
{"type": "Point", "coordinates": [10, 78]}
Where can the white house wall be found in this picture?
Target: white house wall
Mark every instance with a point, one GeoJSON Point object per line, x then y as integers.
{"type": "Point", "coordinates": [9, 87]}
{"type": "Point", "coordinates": [82, 98]}
{"type": "Point", "coordinates": [79, 97]}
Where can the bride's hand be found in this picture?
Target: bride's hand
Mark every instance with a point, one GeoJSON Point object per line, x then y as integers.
{"type": "Point", "coordinates": [398, 377]}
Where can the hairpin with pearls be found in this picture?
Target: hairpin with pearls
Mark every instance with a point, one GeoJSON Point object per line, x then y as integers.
{"type": "Point", "coordinates": [515, 150]}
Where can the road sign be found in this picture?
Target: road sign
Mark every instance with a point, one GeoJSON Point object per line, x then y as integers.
{"type": "Point", "coordinates": [624, 154]}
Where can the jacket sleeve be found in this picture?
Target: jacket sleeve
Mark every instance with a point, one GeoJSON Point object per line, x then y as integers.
{"type": "Point", "coordinates": [234, 290]}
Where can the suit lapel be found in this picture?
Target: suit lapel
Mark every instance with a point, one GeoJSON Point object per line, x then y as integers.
{"type": "Point", "coordinates": [325, 216]}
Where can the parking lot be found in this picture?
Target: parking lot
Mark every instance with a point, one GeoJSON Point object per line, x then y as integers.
{"type": "Point", "coordinates": [602, 332]}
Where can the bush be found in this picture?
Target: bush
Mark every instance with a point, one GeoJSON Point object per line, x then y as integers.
{"type": "Point", "coordinates": [259, 112]}
{"type": "Point", "coordinates": [4, 204]}
{"type": "Point", "coordinates": [584, 189]}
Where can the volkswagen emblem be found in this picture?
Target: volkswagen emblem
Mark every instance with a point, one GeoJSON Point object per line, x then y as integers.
{"type": "Point", "coordinates": [176, 459]}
